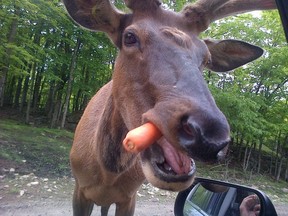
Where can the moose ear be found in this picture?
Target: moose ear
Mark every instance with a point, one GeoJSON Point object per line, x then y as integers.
{"type": "Point", "coordinates": [229, 54]}
{"type": "Point", "coordinates": [96, 15]}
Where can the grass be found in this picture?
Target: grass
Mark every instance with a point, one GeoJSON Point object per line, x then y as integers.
{"type": "Point", "coordinates": [44, 150]}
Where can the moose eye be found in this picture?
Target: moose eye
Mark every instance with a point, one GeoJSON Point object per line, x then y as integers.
{"type": "Point", "coordinates": [130, 39]}
{"type": "Point", "coordinates": [206, 63]}
{"type": "Point", "coordinates": [209, 62]}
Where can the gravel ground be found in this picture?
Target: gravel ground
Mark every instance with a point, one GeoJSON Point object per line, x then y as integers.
{"type": "Point", "coordinates": [63, 208]}
{"type": "Point", "coordinates": [29, 195]}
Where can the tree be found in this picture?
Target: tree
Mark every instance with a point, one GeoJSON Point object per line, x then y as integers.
{"type": "Point", "coordinates": [50, 68]}
{"type": "Point", "coordinates": [40, 55]}
{"type": "Point", "coordinates": [251, 97]}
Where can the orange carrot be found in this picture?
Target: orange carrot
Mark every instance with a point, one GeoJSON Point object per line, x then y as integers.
{"type": "Point", "coordinates": [141, 137]}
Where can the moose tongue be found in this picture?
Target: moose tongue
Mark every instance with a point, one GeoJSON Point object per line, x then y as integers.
{"type": "Point", "coordinates": [179, 162]}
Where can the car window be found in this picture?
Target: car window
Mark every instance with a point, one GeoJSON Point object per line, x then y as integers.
{"type": "Point", "coordinates": [203, 202]}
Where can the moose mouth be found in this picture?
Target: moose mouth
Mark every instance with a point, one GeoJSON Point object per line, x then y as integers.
{"type": "Point", "coordinates": [173, 161]}
{"type": "Point", "coordinates": [165, 163]}
{"type": "Point", "coordinates": [168, 163]}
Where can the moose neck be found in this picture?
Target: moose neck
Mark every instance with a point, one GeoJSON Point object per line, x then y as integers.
{"type": "Point", "coordinates": [111, 132]}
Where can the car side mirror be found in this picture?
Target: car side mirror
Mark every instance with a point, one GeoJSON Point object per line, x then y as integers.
{"type": "Point", "coordinates": [217, 198]}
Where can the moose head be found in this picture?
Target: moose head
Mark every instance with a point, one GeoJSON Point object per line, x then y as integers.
{"type": "Point", "coordinates": [158, 78]}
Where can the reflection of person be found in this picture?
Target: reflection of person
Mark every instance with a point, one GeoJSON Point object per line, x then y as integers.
{"type": "Point", "coordinates": [250, 206]}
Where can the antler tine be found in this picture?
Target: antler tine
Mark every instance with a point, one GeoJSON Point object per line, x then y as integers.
{"type": "Point", "coordinates": [204, 12]}
{"type": "Point", "coordinates": [238, 6]}
{"type": "Point", "coordinates": [143, 4]}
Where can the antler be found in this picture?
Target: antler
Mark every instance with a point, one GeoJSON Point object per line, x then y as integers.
{"type": "Point", "coordinates": [203, 12]}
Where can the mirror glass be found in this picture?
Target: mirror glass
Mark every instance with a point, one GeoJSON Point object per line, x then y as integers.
{"type": "Point", "coordinates": [218, 200]}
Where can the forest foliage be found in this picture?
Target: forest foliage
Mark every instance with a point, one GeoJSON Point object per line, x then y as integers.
{"type": "Point", "coordinates": [50, 67]}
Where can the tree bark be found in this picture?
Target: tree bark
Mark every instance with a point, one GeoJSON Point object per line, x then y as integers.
{"type": "Point", "coordinates": [57, 104]}
{"type": "Point", "coordinates": [277, 153]}
{"type": "Point", "coordinates": [245, 156]}
{"type": "Point", "coordinates": [240, 147]}
{"type": "Point", "coordinates": [259, 155]}
{"type": "Point", "coordinates": [55, 114]}
{"type": "Point", "coordinates": [272, 160]}
{"type": "Point", "coordinates": [70, 80]}
{"type": "Point", "coordinates": [5, 69]}
{"type": "Point", "coordinates": [36, 91]}
{"type": "Point", "coordinates": [25, 91]}
{"type": "Point", "coordinates": [279, 169]}
{"type": "Point", "coordinates": [10, 90]}
{"type": "Point", "coordinates": [29, 102]}
{"type": "Point", "coordinates": [18, 92]}
{"type": "Point", "coordinates": [50, 99]}
{"type": "Point", "coordinates": [286, 171]}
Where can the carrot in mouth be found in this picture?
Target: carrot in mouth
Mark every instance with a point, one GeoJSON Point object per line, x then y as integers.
{"type": "Point", "coordinates": [141, 137]}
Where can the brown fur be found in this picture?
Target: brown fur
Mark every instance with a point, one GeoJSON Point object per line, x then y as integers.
{"type": "Point", "coordinates": [157, 78]}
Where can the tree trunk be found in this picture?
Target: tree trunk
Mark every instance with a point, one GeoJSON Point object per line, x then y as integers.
{"type": "Point", "coordinates": [259, 155]}
{"type": "Point", "coordinates": [279, 169]}
{"type": "Point", "coordinates": [70, 80]}
{"type": "Point", "coordinates": [76, 100]}
{"type": "Point", "coordinates": [85, 98]}
{"type": "Point", "coordinates": [277, 153]}
{"type": "Point", "coordinates": [272, 159]}
{"type": "Point", "coordinates": [245, 156]}
{"type": "Point", "coordinates": [57, 105]}
{"type": "Point", "coordinates": [18, 92]}
{"type": "Point", "coordinates": [50, 99]}
{"type": "Point", "coordinates": [29, 102]}
{"type": "Point", "coordinates": [10, 90]}
{"type": "Point", "coordinates": [248, 157]}
{"type": "Point", "coordinates": [286, 171]}
{"type": "Point", "coordinates": [25, 91]}
{"type": "Point", "coordinates": [41, 91]}
{"type": "Point", "coordinates": [240, 147]}
{"type": "Point", "coordinates": [271, 164]}
{"type": "Point", "coordinates": [36, 91]}
{"type": "Point", "coordinates": [55, 114]}
{"type": "Point", "coordinates": [4, 70]}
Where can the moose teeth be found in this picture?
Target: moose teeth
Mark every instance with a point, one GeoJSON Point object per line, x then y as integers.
{"type": "Point", "coordinates": [167, 167]}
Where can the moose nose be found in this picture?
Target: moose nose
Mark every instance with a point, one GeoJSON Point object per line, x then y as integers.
{"type": "Point", "coordinates": [190, 133]}
{"type": "Point", "coordinates": [204, 142]}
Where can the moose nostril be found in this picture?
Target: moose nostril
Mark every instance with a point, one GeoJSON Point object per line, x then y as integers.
{"type": "Point", "coordinates": [189, 131]}
{"type": "Point", "coordinates": [207, 142]}
{"type": "Point", "coordinates": [223, 150]}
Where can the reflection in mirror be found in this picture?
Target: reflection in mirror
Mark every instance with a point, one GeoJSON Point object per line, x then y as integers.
{"type": "Point", "coordinates": [218, 200]}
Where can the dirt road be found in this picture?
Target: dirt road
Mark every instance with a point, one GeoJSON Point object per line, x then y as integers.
{"type": "Point", "coordinates": [63, 208]}
{"type": "Point", "coordinates": [29, 195]}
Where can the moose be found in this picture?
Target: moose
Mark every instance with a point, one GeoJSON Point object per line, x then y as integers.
{"type": "Point", "coordinates": [157, 78]}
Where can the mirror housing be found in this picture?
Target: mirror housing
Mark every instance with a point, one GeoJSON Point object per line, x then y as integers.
{"type": "Point", "coordinates": [219, 198]}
